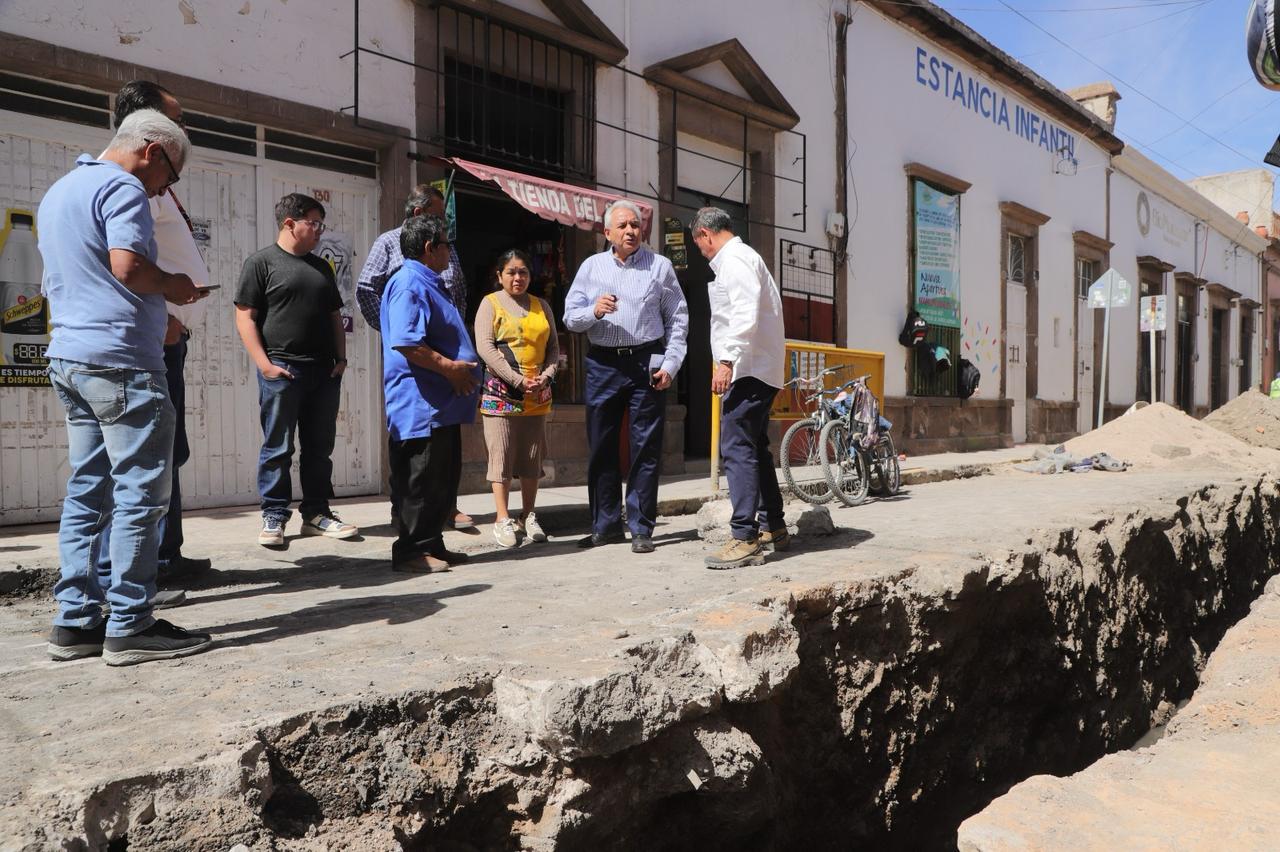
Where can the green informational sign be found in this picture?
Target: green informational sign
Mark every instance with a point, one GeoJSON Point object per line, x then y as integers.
{"type": "Point", "coordinates": [937, 255]}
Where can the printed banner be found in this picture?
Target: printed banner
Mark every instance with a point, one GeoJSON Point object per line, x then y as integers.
{"type": "Point", "coordinates": [24, 312]}
{"type": "Point", "coordinates": [450, 207]}
{"type": "Point", "coordinates": [559, 202]}
{"type": "Point", "coordinates": [937, 255]}
{"type": "Point", "coordinates": [335, 249]}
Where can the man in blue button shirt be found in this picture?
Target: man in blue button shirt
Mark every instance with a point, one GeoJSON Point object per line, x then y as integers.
{"type": "Point", "coordinates": [430, 376]}
{"type": "Point", "coordinates": [630, 305]}
{"type": "Point", "coordinates": [106, 363]}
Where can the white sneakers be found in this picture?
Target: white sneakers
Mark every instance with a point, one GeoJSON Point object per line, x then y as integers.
{"type": "Point", "coordinates": [508, 531]}
{"type": "Point", "coordinates": [532, 528]}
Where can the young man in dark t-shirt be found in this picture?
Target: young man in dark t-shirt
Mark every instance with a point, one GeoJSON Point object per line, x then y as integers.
{"type": "Point", "coordinates": [287, 314]}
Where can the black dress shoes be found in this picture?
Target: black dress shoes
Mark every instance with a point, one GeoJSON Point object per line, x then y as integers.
{"type": "Point", "coordinates": [598, 539]}
{"type": "Point", "coordinates": [641, 544]}
{"type": "Point", "coordinates": [452, 557]}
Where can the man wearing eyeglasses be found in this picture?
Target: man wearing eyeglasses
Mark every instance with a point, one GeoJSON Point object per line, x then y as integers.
{"type": "Point", "coordinates": [176, 251]}
{"type": "Point", "coordinates": [430, 373]}
{"type": "Point", "coordinates": [288, 316]}
{"type": "Point", "coordinates": [107, 303]}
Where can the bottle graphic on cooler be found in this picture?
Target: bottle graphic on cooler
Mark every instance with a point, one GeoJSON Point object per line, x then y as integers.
{"type": "Point", "coordinates": [24, 312]}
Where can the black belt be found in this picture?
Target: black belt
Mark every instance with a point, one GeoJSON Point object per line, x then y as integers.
{"type": "Point", "coordinates": [638, 349]}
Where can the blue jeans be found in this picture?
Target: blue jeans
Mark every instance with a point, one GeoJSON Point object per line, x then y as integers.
{"type": "Point", "coordinates": [618, 384]}
{"type": "Point", "coordinates": [746, 460]}
{"type": "Point", "coordinates": [119, 442]}
{"type": "Point", "coordinates": [308, 405]}
{"type": "Point", "coordinates": [175, 359]}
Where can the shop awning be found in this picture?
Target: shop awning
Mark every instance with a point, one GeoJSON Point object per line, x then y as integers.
{"type": "Point", "coordinates": [559, 202]}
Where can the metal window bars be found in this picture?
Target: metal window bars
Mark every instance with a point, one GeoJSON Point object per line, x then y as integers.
{"type": "Point", "coordinates": [515, 98]}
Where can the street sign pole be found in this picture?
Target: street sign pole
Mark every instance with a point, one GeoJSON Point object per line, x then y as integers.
{"type": "Point", "coordinates": [1154, 371]}
{"type": "Point", "coordinates": [1106, 345]}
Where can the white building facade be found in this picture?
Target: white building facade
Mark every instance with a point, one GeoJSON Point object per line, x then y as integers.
{"type": "Point", "coordinates": [970, 190]}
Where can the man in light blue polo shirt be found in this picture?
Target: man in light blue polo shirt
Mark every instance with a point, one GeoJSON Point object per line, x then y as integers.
{"type": "Point", "coordinates": [430, 375]}
{"type": "Point", "coordinates": [106, 363]}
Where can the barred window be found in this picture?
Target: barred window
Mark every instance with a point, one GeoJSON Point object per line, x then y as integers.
{"type": "Point", "coordinates": [1017, 259]}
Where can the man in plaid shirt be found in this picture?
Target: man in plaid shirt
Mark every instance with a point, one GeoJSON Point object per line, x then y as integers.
{"type": "Point", "coordinates": [383, 261]}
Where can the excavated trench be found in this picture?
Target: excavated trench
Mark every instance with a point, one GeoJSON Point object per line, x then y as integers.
{"type": "Point", "coordinates": [854, 715]}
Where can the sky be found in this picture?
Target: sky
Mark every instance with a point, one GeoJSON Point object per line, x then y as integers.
{"type": "Point", "coordinates": [1189, 100]}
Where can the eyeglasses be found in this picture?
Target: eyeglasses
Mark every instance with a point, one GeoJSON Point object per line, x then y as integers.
{"type": "Point", "coordinates": [317, 224]}
{"type": "Point", "coordinates": [441, 243]}
{"type": "Point", "coordinates": [518, 272]}
{"type": "Point", "coordinates": [172, 171]}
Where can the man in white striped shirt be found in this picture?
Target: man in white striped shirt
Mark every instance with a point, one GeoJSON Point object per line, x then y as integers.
{"type": "Point", "coordinates": [749, 344]}
{"type": "Point", "coordinates": [630, 305]}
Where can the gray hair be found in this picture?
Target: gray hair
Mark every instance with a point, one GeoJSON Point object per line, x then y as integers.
{"type": "Point", "coordinates": [625, 205]}
{"type": "Point", "coordinates": [149, 125]}
{"type": "Point", "coordinates": [713, 219]}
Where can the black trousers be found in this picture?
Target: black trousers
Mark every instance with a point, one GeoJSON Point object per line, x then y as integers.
{"type": "Point", "coordinates": [424, 475]}
{"type": "Point", "coordinates": [618, 384]}
{"type": "Point", "coordinates": [746, 460]}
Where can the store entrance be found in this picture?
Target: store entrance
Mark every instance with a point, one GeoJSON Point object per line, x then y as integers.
{"type": "Point", "coordinates": [489, 223]}
{"type": "Point", "coordinates": [694, 384]}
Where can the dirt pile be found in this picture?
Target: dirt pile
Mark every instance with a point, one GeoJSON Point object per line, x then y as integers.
{"type": "Point", "coordinates": [1160, 436]}
{"type": "Point", "coordinates": [1253, 417]}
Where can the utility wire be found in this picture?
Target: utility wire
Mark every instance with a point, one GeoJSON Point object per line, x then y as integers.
{"type": "Point", "coordinates": [1110, 33]}
{"type": "Point", "coordinates": [1246, 157]}
{"type": "Point", "coordinates": [1207, 107]}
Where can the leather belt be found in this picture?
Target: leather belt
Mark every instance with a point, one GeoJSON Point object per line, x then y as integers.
{"type": "Point", "coordinates": [639, 349]}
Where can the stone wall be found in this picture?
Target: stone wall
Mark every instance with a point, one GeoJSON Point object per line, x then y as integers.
{"type": "Point", "coordinates": [1050, 422]}
{"type": "Point", "coordinates": [924, 425]}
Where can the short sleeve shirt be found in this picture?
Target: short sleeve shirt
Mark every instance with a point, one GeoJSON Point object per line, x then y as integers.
{"type": "Point", "coordinates": [95, 319]}
{"type": "Point", "coordinates": [295, 297]}
{"type": "Point", "coordinates": [416, 311]}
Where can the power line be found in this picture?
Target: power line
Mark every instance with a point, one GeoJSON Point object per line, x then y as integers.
{"type": "Point", "coordinates": [1207, 107]}
{"type": "Point", "coordinates": [1111, 33]}
{"type": "Point", "coordinates": [1246, 157]}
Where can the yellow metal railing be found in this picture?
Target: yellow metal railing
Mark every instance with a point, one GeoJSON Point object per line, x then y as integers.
{"type": "Point", "coordinates": [807, 359]}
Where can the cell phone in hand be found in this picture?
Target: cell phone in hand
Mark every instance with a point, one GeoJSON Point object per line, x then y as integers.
{"type": "Point", "coordinates": [208, 287]}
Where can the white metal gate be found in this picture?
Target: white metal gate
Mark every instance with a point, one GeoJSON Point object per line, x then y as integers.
{"type": "Point", "coordinates": [1016, 357]}
{"type": "Point", "coordinates": [235, 197]}
{"type": "Point", "coordinates": [1084, 366]}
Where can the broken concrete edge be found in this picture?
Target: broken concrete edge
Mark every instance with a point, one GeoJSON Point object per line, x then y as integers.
{"type": "Point", "coordinates": [1110, 614]}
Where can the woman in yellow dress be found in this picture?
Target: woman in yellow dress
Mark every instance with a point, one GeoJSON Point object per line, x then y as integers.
{"type": "Point", "coordinates": [516, 339]}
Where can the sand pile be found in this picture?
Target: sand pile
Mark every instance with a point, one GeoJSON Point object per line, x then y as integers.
{"type": "Point", "coordinates": [1160, 436]}
{"type": "Point", "coordinates": [1253, 417]}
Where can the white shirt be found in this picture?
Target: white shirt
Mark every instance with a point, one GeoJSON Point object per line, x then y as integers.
{"type": "Point", "coordinates": [746, 315]}
{"type": "Point", "coordinates": [176, 253]}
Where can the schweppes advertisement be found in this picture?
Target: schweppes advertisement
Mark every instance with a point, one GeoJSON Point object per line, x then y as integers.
{"type": "Point", "coordinates": [24, 313]}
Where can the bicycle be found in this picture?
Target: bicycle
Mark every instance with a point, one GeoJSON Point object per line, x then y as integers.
{"type": "Point", "coordinates": [848, 464]}
{"type": "Point", "coordinates": [800, 461]}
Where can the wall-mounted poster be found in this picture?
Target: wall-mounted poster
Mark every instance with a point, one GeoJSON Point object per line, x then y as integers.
{"type": "Point", "coordinates": [937, 255]}
{"type": "Point", "coordinates": [335, 249]}
{"type": "Point", "coordinates": [24, 312]}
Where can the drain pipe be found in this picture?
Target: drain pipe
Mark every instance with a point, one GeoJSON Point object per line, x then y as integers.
{"type": "Point", "coordinates": [841, 243]}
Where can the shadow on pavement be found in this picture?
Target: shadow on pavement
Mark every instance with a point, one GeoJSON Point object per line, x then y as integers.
{"type": "Point", "coordinates": [346, 612]}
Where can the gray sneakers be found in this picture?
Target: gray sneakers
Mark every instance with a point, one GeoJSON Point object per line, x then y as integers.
{"type": "Point", "coordinates": [160, 641]}
{"type": "Point", "coordinates": [272, 534]}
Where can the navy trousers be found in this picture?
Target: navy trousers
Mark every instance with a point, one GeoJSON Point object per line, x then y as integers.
{"type": "Point", "coordinates": [617, 384]}
{"type": "Point", "coordinates": [746, 460]}
{"type": "Point", "coordinates": [175, 358]}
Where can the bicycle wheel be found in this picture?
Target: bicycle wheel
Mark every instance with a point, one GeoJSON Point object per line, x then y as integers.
{"type": "Point", "coordinates": [843, 463]}
{"type": "Point", "coordinates": [801, 464]}
{"type": "Point", "coordinates": [888, 471]}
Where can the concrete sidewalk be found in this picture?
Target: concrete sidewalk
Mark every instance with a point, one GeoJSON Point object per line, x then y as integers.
{"type": "Point", "coordinates": [29, 553]}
